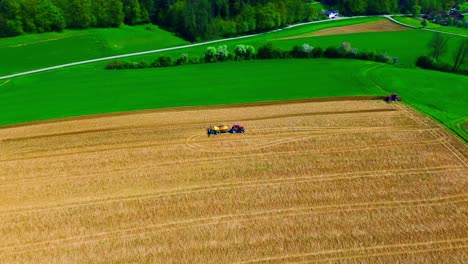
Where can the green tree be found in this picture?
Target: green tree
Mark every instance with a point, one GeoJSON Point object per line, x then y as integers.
{"type": "Point", "coordinates": [108, 13]}
{"type": "Point", "coordinates": [132, 12]}
{"type": "Point", "coordinates": [416, 11]}
{"type": "Point", "coordinates": [79, 14]}
{"type": "Point", "coordinates": [353, 7]}
{"type": "Point", "coordinates": [438, 46]}
{"type": "Point", "coordinates": [10, 19]}
{"type": "Point", "coordinates": [424, 23]}
{"type": "Point", "coordinates": [48, 17]}
{"type": "Point", "coordinates": [461, 56]}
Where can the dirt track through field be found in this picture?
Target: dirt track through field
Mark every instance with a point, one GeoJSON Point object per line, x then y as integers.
{"type": "Point", "coordinates": [309, 182]}
{"type": "Point", "coordinates": [377, 26]}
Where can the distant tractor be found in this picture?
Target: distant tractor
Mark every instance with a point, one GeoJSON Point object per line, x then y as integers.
{"type": "Point", "coordinates": [216, 130]}
{"type": "Point", "coordinates": [392, 98]}
{"type": "Point", "coordinates": [236, 128]}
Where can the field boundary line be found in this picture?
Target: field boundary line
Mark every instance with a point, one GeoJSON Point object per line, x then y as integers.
{"type": "Point", "coordinates": [196, 108]}
{"type": "Point", "coordinates": [224, 219]}
{"type": "Point", "coordinates": [443, 140]}
{"type": "Point", "coordinates": [165, 126]}
{"type": "Point", "coordinates": [232, 185]}
{"type": "Point", "coordinates": [382, 247]}
{"type": "Point", "coordinates": [441, 137]}
{"type": "Point", "coordinates": [188, 144]}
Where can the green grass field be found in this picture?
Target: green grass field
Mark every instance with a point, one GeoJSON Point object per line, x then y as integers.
{"type": "Point", "coordinates": [34, 51]}
{"type": "Point", "coordinates": [79, 91]}
{"type": "Point", "coordinates": [440, 95]}
{"type": "Point", "coordinates": [417, 23]}
{"type": "Point", "coordinates": [82, 90]}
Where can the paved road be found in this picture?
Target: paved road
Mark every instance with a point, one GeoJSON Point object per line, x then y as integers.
{"type": "Point", "coordinates": [194, 45]}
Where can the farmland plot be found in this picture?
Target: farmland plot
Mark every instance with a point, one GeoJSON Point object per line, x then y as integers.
{"type": "Point", "coordinates": [361, 181]}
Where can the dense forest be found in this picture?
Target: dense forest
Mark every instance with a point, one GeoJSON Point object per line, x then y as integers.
{"type": "Point", "coordinates": [376, 7]}
{"type": "Point", "coordinates": [191, 19]}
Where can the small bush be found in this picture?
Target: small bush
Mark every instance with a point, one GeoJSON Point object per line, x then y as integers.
{"type": "Point", "coordinates": [194, 60]}
{"type": "Point", "coordinates": [222, 53]}
{"type": "Point", "coordinates": [383, 58]}
{"type": "Point", "coordinates": [162, 61]}
{"type": "Point", "coordinates": [424, 62]}
{"type": "Point", "coordinates": [297, 52]}
{"type": "Point", "coordinates": [366, 55]}
{"type": "Point", "coordinates": [210, 54]}
{"type": "Point", "coordinates": [250, 52]}
{"type": "Point", "coordinates": [345, 48]}
{"type": "Point", "coordinates": [114, 65]}
{"type": "Point", "coordinates": [240, 52]}
{"type": "Point", "coordinates": [267, 51]}
{"type": "Point", "coordinates": [317, 52]}
{"type": "Point", "coordinates": [332, 53]}
{"type": "Point", "coordinates": [143, 65]}
{"type": "Point", "coordinates": [304, 51]}
{"type": "Point", "coordinates": [183, 59]}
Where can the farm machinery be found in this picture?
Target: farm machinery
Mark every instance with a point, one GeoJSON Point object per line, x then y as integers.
{"type": "Point", "coordinates": [216, 130]}
{"type": "Point", "coordinates": [392, 98]}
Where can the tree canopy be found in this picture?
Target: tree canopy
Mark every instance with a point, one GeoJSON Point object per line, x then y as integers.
{"type": "Point", "coordinates": [190, 19]}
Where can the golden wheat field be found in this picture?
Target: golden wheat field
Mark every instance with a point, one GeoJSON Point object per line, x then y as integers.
{"type": "Point", "coordinates": [340, 181]}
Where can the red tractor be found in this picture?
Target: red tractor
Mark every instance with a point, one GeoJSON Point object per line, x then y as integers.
{"type": "Point", "coordinates": [392, 98]}
{"type": "Point", "coordinates": [236, 128]}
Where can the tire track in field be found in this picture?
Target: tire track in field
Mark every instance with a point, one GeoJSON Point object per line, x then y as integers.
{"type": "Point", "coordinates": [197, 147]}
{"type": "Point", "coordinates": [341, 131]}
{"type": "Point", "coordinates": [444, 141]}
{"type": "Point", "coordinates": [139, 232]}
{"type": "Point", "coordinates": [264, 156]}
{"type": "Point", "coordinates": [462, 241]}
{"type": "Point", "coordinates": [260, 156]}
{"type": "Point", "coordinates": [165, 126]}
{"type": "Point", "coordinates": [191, 144]}
{"type": "Point", "coordinates": [437, 135]}
{"type": "Point", "coordinates": [228, 186]}
{"type": "Point", "coordinates": [402, 252]}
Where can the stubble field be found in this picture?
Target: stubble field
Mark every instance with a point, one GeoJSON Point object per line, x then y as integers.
{"type": "Point", "coordinates": [357, 180]}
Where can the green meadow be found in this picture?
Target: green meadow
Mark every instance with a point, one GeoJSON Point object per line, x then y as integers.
{"type": "Point", "coordinates": [35, 51]}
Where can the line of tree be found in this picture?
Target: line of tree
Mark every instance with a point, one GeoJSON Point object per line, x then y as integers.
{"type": "Point", "coordinates": [376, 7]}
{"type": "Point", "coordinates": [191, 19]}
{"type": "Point", "coordinates": [248, 52]}
{"type": "Point", "coordinates": [37, 16]}
{"type": "Point", "coordinates": [438, 46]}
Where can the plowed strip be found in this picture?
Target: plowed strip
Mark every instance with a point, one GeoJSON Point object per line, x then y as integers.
{"type": "Point", "coordinates": [378, 26]}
